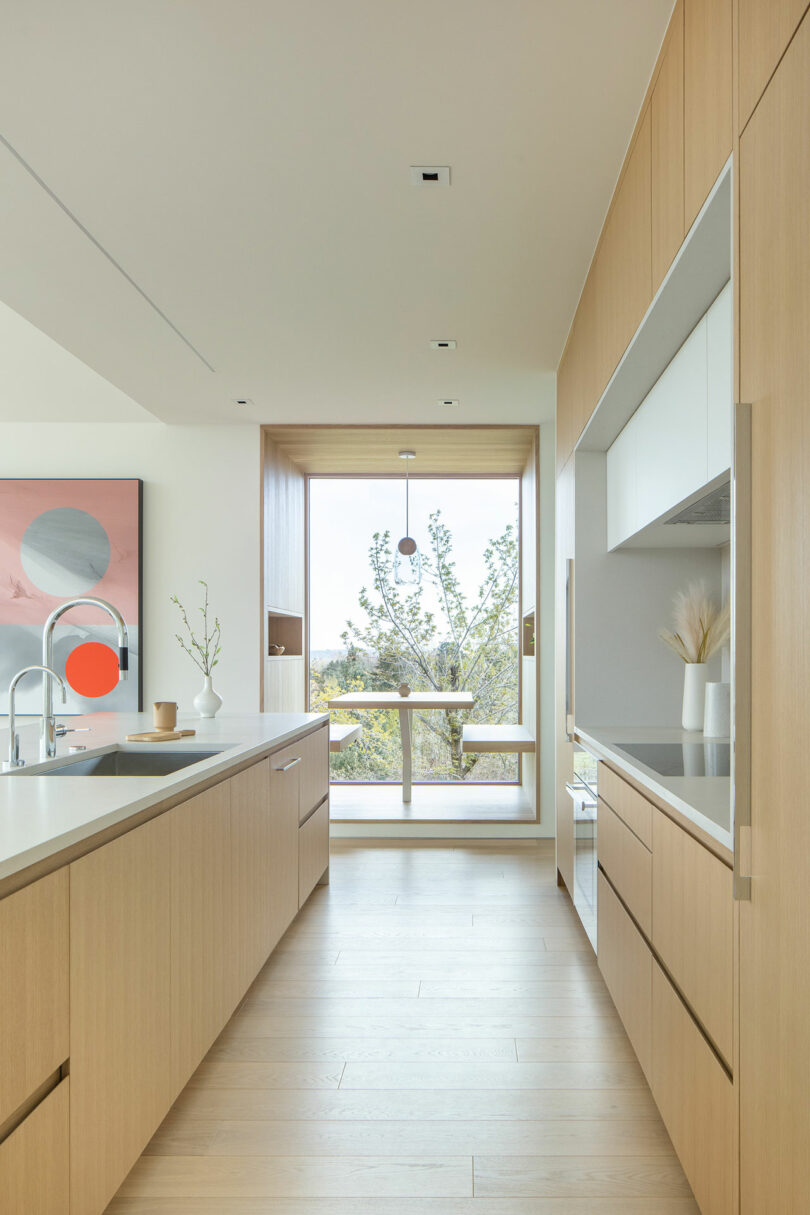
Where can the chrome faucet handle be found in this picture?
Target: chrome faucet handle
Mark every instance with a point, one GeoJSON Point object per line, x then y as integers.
{"type": "Point", "coordinates": [60, 730]}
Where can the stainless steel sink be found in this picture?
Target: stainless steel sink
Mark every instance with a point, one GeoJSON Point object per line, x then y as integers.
{"type": "Point", "coordinates": [125, 763]}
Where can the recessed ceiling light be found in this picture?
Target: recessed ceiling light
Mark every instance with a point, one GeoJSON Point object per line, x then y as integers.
{"type": "Point", "coordinates": [447, 403]}
{"type": "Point", "coordinates": [443, 344]}
{"type": "Point", "coordinates": [430, 175]}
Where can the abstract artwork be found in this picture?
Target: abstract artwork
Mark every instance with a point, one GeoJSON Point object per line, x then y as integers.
{"type": "Point", "coordinates": [59, 540]}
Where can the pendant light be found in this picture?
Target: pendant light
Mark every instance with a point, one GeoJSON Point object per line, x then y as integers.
{"type": "Point", "coordinates": [407, 560]}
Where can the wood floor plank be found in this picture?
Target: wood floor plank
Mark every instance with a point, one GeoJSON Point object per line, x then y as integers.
{"type": "Point", "coordinates": [576, 1074]}
{"type": "Point", "coordinates": [368, 1048]}
{"type": "Point", "coordinates": [579, 1177]}
{"type": "Point", "coordinates": [349, 1006]}
{"type": "Point", "coordinates": [267, 1075]}
{"type": "Point", "coordinates": [402, 1206]}
{"type": "Point", "coordinates": [552, 1050]}
{"type": "Point", "coordinates": [589, 987]}
{"type": "Point", "coordinates": [329, 988]}
{"type": "Point", "coordinates": [182, 1136]}
{"type": "Point", "coordinates": [425, 1024]}
{"type": "Point", "coordinates": [299, 1176]}
{"type": "Point", "coordinates": [423, 1105]}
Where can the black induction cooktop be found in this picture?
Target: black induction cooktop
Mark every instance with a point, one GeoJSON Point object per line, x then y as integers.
{"type": "Point", "coordinates": [706, 758]}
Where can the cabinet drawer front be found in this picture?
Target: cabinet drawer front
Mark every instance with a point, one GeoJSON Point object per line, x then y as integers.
{"type": "Point", "coordinates": [314, 770]}
{"type": "Point", "coordinates": [34, 959]}
{"type": "Point", "coordinates": [695, 1097]}
{"type": "Point", "coordinates": [627, 863]}
{"type": "Point", "coordinates": [34, 1160]}
{"type": "Point", "coordinates": [626, 965]}
{"type": "Point", "coordinates": [625, 801]}
{"type": "Point", "coordinates": [313, 852]}
{"type": "Point", "coordinates": [692, 926]}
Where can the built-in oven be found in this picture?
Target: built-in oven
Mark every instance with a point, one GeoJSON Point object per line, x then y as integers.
{"type": "Point", "coordinates": [583, 790]}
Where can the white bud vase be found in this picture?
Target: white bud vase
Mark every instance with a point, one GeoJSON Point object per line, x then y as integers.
{"type": "Point", "coordinates": [694, 695]}
{"type": "Point", "coordinates": [207, 703]}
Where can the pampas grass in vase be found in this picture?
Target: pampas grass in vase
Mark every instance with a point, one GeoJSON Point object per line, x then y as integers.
{"type": "Point", "coordinates": [701, 629]}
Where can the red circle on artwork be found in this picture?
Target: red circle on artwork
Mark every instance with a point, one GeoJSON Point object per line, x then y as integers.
{"type": "Point", "coordinates": [92, 669]}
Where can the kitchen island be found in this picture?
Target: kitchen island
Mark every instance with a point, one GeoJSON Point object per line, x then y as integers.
{"type": "Point", "coordinates": [135, 912]}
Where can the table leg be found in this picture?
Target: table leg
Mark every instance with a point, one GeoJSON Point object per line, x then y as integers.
{"type": "Point", "coordinates": [405, 734]}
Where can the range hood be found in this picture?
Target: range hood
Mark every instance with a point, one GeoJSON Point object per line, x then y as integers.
{"type": "Point", "coordinates": [713, 507]}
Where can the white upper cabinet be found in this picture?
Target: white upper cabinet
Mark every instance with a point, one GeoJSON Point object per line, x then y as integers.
{"type": "Point", "coordinates": [679, 438]}
{"type": "Point", "coordinates": [720, 382]}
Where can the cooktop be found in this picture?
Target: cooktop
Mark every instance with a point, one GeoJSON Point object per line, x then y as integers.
{"type": "Point", "coordinates": [706, 758]}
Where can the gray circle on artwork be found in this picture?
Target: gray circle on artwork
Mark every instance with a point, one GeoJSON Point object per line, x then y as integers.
{"type": "Point", "coordinates": [65, 551]}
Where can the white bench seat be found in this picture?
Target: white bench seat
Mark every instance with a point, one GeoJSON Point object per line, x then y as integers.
{"type": "Point", "coordinates": [343, 734]}
{"type": "Point", "coordinates": [496, 738]}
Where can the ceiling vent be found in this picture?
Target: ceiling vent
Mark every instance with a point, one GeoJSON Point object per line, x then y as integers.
{"type": "Point", "coordinates": [443, 344]}
{"type": "Point", "coordinates": [430, 175]}
{"type": "Point", "coordinates": [242, 401]}
{"type": "Point", "coordinates": [448, 403]}
{"type": "Point", "coordinates": [714, 507]}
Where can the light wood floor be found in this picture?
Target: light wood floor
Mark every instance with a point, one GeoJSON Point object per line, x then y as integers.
{"type": "Point", "coordinates": [430, 804]}
{"type": "Point", "coordinates": [431, 1037]}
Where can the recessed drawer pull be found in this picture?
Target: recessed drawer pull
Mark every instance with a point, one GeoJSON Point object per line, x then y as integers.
{"type": "Point", "coordinates": [290, 764]}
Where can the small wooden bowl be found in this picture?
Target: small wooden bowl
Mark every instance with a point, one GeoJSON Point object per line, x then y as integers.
{"type": "Point", "coordinates": [276, 650]}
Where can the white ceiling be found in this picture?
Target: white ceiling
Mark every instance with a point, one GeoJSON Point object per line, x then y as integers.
{"type": "Point", "coordinates": [209, 200]}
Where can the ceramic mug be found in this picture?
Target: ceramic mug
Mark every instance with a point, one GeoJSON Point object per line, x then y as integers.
{"type": "Point", "coordinates": [165, 714]}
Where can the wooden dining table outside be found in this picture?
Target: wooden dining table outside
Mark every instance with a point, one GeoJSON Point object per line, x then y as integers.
{"type": "Point", "coordinates": [405, 706]}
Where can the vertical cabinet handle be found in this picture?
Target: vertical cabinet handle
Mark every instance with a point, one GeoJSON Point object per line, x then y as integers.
{"type": "Point", "coordinates": [290, 764]}
{"type": "Point", "coordinates": [741, 513]}
{"type": "Point", "coordinates": [569, 648]}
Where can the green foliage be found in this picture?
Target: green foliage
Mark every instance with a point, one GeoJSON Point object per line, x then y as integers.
{"type": "Point", "coordinates": [470, 645]}
{"type": "Point", "coordinates": [204, 652]}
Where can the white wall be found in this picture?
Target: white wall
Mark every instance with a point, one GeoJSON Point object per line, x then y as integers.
{"type": "Point", "coordinates": [201, 520]}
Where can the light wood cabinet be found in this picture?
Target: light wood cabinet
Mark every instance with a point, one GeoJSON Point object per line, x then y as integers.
{"type": "Point", "coordinates": [695, 1097]}
{"type": "Point", "coordinates": [34, 1163]}
{"type": "Point", "coordinates": [285, 801]}
{"type": "Point", "coordinates": [692, 927]}
{"type": "Point", "coordinates": [578, 375]}
{"type": "Point", "coordinates": [627, 802]}
{"type": "Point", "coordinates": [314, 770]}
{"type": "Point", "coordinates": [625, 961]}
{"type": "Point", "coordinates": [119, 1008]}
{"type": "Point", "coordinates": [765, 29]}
{"type": "Point", "coordinates": [707, 50]}
{"type": "Point", "coordinates": [628, 864]}
{"type": "Point", "coordinates": [34, 1014]}
{"type": "Point", "coordinates": [624, 259]}
{"type": "Point", "coordinates": [313, 852]}
{"type": "Point", "coordinates": [774, 978]}
{"type": "Point", "coordinates": [666, 119]}
{"type": "Point", "coordinates": [203, 949]}
{"type": "Point", "coordinates": [253, 850]}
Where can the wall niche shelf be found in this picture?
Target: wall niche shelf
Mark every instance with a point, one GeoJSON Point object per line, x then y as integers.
{"type": "Point", "coordinates": [284, 628]}
{"type": "Point", "coordinates": [527, 635]}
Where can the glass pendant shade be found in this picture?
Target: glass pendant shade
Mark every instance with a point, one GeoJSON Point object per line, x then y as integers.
{"type": "Point", "coordinates": [407, 560]}
{"type": "Point", "coordinates": [407, 563]}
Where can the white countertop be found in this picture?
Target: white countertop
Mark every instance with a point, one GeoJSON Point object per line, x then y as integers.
{"type": "Point", "coordinates": [703, 800]}
{"type": "Point", "coordinates": [41, 816]}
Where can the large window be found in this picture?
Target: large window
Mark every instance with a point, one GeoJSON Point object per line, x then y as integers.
{"type": "Point", "coordinates": [456, 630]}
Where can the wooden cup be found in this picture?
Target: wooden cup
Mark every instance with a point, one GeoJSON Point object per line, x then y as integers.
{"type": "Point", "coordinates": [165, 714]}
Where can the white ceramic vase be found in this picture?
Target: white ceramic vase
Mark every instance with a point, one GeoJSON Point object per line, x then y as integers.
{"type": "Point", "coordinates": [207, 702]}
{"type": "Point", "coordinates": [694, 695]}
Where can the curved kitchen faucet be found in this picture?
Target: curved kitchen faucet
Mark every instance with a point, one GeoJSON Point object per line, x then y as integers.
{"type": "Point", "coordinates": [14, 760]}
{"type": "Point", "coordinates": [48, 734]}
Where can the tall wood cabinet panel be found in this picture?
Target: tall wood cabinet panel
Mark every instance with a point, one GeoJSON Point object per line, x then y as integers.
{"type": "Point", "coordinates": [252, 847]}
{"type": "Point", "coordinates": [120, 1086]}
{"type": "Point", "coordinates": [707, 50]}
{"type": "Point", "coordinates": [34, 1163]}
{"type": "Point", "coordinates": [314, 787]}
{"type": "Point", "coordinates": [666, 120]}
{"type": "Point", "coordinates": [578, 375]}
{"type": "Point", "coordinates": [285, 801]}
{"type": "Point", "coordinates": [765, 29]}
{"type": "Point", "coordinates": [774, 1049]}
{"type": "Point", "coordinates": [624, 260]}
{"type": "Point", "coordinates": [695, 1097]}
{"type": "Point", "coordinates": [203, 960]}
{"type": "Point", "coordinates": [34, 1015]}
